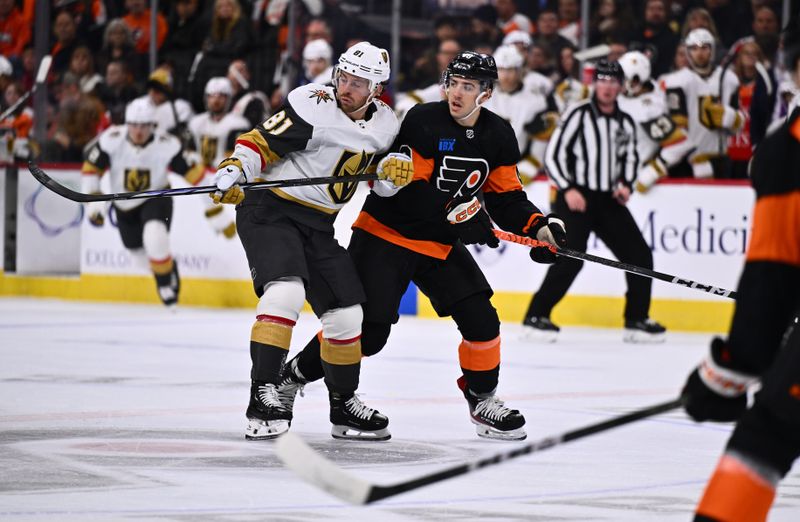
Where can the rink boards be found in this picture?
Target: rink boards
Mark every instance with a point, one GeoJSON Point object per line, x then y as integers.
{"type": "Point", "coordinates": [697, 231]}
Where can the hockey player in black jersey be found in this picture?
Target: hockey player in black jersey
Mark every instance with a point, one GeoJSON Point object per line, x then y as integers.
{"type": "Point", "coordinates": [464, 160]}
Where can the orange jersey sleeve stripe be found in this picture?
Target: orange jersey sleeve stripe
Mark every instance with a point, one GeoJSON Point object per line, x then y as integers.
{"type": "Point", "coordinates": [428, 248]}
{"type": "Point", "coordinates": [736, 492]}
{"type": "Point", "coordinates": [479, 356]}
{"type": "Point", "coordinates": [423, 167]}
{"type": "Point", "coordinates": [776, 229]}
{"type": "Point", "coordinates": [503, 179]}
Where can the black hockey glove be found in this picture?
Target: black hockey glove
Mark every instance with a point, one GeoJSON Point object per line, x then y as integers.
{"type": "Point", "coordinates": [714, 392]}
{"type": "Point", "coordinates": [550, 230]}
{"type": "Point", "coordinates": [470, 222]}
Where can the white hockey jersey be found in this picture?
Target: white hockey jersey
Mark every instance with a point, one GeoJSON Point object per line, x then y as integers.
{"type": "Point", "coordinates": [526, 112]}
{"type": "Point", "coordinates": [649, 111]}
{"type": "Point", "coordinates": [684, 91]}
{"type": "Point", "coordinates": [406, 100]}
{"type": "Point", "coordinates": [538, 83]}
{"type": "Point", "coordinates": [214, 140]}
{"type": "Point", "coordinates": [131, 167]}
{"type": "Point", "coordinates": [310, 137]}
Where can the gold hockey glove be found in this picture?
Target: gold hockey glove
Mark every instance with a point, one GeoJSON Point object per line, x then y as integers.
{"type": "Point", "coordinates": [397, 168]}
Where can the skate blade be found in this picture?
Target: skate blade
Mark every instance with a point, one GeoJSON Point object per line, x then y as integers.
{"type": "Point", "coordinates": [488, 432]}
{"type": "Point", "coordinates": [263, 430]}
{"type": "Point", "coordinates": [348, 433]}
{"type": "Point", "coordinates": [639, 337]}
{"type": "Point", "coordinates": [538, 336]}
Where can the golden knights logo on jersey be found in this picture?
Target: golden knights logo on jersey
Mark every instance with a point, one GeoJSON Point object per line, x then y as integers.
{"type": "Point", "coordinates": [137, 179]}
{"type": "Point", "coordinates": [321, 95]}
{"type": "Point", "coordinates": [462, 176]}
{"type": "Point", "coordinates": [350, 163]}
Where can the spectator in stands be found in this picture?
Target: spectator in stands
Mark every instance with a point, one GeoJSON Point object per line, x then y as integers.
{"type": "Point", "coordinates": [616, 49]}
{"type": "Point", "coordinates": [732, 19]}
{"type": "Point", "coordinates": [15, 130]}
{"type": "Point", "coordinates": [247, 101]}
{"type": "Point", "coordinates": [138, 20]}
{"type": "Point", "coordinates": [756, 99]}
{"type": "Point", "coordinates": [15, 33]}
{"type": "Point", "coordinates": [318, 29]}
{"type": "Point", "coordinates": [765, 30]}
{"type": "Point", "coordinates": [229, 37]}
{"type": "Point", "coordinates": [118, 45]}
{"type": "Point", "coordinates": [172, 114]}
{"type": "Point", "coordinates": [82, 66]}
{"type": "Point", "coordinates": [185, 35]}
{"type": "Point", "coordinates": [66, 36]}
{"type": "Point", "coordinates": [118, 90]}
{"type": "Point", "coordinates": [569, 20]}
{"type": "Point", "coordinates": [6, 73]}
{"type": "Point", "coordinates": [658, 35]}
{"type": "Point", "coordinates": [547, 36]}
{"type": "Point", "coordinates": [317, 56]}
{"type": "Point", "coordinates": [79, 119]}
{"type": "Point", "coordinates": [510, 19]}
{"type": "Point", "coordinates": [484, 25]}
{"type": "Point", "coordinates": [28, 68]}
{"type": "Point", "coordinates": [612, 19]}
{"type": "Point", "coordinates": [432, 91]}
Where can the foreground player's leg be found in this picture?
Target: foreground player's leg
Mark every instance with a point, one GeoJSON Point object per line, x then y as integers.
{"type": "Point", "coordinates": [479, 357]}
{"type": "Point", "coordinates": [277, 313]}
{"type": "Point", "coordinates": [340, 352]}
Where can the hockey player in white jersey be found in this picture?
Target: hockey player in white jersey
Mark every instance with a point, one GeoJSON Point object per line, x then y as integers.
{"type": "Point", "coordinates": [660, 142]}
{"type": "Point", "coordinates": [215, 132]}
{"type": "Point", "coordinates": [137, 157]}
{"type": "Point", "coordinates": [531, 117]}
{"type": "Point", "coordinates": [700, 103]}
{"type": "Point", "coordinates": [287, 233]}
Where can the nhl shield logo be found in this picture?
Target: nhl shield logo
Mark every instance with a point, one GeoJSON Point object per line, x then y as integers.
{"type": "Point", "coordinates": [470, 134]}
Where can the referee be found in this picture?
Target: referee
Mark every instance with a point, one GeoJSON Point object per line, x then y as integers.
{"type": "Point", "coordinates": [592, 160]}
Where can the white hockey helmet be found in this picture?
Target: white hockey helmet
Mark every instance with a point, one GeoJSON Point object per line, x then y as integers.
{"type": "Point", "coordinates": [318, 50]}
{"type": "Point", "coordinates": [5, 67]}
{"type": "Point", "coordinates": [365, 61]}
{"type": "Point", "coordinates": [518, 37]}
{"type": "Point", "coordinates": [636, 67]}
{"type": "Point", "coordinates": [219, 85]}
{"type": "Point", "coordinates": [700, 37]}
{"type": "Point", "coordinates": [140, 110]}
{"type": "Point", "coordinates": [508, 57]}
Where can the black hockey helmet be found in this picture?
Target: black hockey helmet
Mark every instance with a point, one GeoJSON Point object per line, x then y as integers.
{"type": "Point", "coordinates": [473, 66]}
{"type": "Point", "coordinates": [608, 70]}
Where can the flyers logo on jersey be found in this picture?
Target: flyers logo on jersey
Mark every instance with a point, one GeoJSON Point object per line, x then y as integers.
{"type": "Point", "coordinates": [137, 179]}
{"type": "Point", "coordinates": [462, 176]}
{"type": "Point", "coordinates": [350, 163]}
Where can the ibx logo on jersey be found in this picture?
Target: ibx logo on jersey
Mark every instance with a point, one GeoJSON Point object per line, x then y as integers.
{"type": "Point", "coordinates": [447, 144]}
{"type": "Point", "coordinates": [462, 176]}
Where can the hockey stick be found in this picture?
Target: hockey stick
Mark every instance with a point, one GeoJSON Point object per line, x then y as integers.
{"type": "Point", "coordinates": [633, 269]}
{"type": "Point", "coordinates": [42, 177]}
{"type": "Point", "coordinates": [41, 76]}
{"type": "Point", "coordinates": [316, 469]}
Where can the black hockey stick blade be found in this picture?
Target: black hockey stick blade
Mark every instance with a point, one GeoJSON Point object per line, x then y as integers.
{"type": "Point", "coordinates": [65, 192]}
{"type": "Point", "coordinates": [633, 269]}
{"type": "Point", "coordinates": [321, 472]}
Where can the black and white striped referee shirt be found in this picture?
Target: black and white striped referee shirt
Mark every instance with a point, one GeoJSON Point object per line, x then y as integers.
{"type": "Point", "coordinates": [592, 150]}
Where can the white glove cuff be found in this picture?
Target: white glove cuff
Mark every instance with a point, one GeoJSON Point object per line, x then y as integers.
{"type": "Point", "coordinates": [544, 233]}
{"type": "Point", "coordinates": [385, 188]}
{"type": "Point", "coordinates": [723, 381]}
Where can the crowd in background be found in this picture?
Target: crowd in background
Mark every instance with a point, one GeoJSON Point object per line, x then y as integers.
{"type": "Point", "coordinates": [101, 62]}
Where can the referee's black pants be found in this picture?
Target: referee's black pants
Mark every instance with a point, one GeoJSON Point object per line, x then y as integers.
{"type": "Point", "coordinates": [615, 226]}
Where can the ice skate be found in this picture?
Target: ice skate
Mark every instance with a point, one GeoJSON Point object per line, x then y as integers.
{"type": "Point", "coordinates": [539, 329]}
{"type": "Point", "coordinates": [647, 331]}
{"type": "Point", "coordinates": [266, 416]}
{"type": "Point", "coordinates": [353, 420]}
{"type": "Point", "coordinates": [492, 419]}
{"type": "Point", "coordinates": [290, 384]}
{"type": "Point", "coordinates": [168, 287]}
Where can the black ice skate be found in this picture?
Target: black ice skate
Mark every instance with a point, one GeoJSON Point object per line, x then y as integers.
{"type": "Point", "coordinates": [353, 420]}
{"type": "Point", "coordinates": [266, 416]}
{"type": "Point", "coordinates": [491, 418]}
{"type": "Point", "coordinates": [539, 329]}
{"type": "Point", "coordinates": [647, 331]}
{"type": "Point", "coordinates": [168, 287]}
{"type": "Point", "coordinates": [290, 384]}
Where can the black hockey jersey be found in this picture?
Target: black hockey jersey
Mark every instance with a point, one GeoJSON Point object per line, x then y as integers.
{"type": "Point", "coordinates": [450, 160]}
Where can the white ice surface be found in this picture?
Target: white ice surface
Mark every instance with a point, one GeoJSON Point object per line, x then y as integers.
{"type": "Point", "coordinates": [113, 412]}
